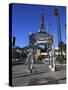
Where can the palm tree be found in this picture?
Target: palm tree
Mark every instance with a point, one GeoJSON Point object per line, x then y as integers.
{"type": "Point", "coordinates": [60, 43]}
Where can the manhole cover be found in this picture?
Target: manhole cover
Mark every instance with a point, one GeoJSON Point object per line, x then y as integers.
{"type": "Point", "coordinates": [42, 82]}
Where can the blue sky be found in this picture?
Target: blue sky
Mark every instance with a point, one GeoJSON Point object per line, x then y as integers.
{"type": "Point", "coordinates": [26, 18]}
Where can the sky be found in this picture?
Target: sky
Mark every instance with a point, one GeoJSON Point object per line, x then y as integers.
{"type": "Point", "coordinates": [26, 19]}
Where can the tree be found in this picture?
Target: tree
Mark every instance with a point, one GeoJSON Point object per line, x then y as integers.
{"type": "Point", "coordinates": [62, 45]}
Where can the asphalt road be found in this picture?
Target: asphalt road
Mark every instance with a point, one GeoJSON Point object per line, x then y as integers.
{"type": "Point", "coordinates": [41, 75]}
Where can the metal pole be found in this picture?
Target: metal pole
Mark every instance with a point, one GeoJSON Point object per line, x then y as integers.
{"type": "Point", "coordinates": [53, 54]}
{"type": "Point", "coordinates": [48, 43]}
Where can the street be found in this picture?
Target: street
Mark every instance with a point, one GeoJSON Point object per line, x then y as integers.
{"type": "Point", "coordinates": [41, 75]}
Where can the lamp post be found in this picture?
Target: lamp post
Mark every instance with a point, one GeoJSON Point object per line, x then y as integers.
{"type": "Point", "coordinates": [56, 13]}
